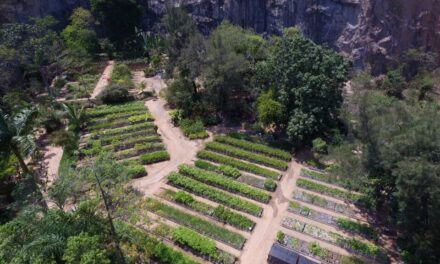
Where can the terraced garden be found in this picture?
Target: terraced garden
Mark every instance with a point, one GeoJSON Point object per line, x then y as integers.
{"type": "Point", "coordinates": [127, 132]}
{"type": "Point", "coordinates": [212, 207]}
{"type": "Point", "coordinates": [325, 213]}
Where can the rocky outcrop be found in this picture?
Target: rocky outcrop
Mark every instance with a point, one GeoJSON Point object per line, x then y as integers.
{"type": "Point", "coordinates": [370, 32]}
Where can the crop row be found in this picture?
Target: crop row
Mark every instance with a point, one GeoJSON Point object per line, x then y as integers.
{"type": "Point", "coordinates": [223, 169]}
{"type": "Point", "coordinates": [108, 110]}
{"type": "Point", "coordinates": [314, 250]}
{"type": "Point", "coordinates": [219, 213]}
{"type": "Point", "coordinates": [333, 192]}
{"type": "Point", "coordinates": [241, 165]}
{"type": "Point", "coordinates": [122, 130]}
{"type": "Point", "coordinates": [324, 203]}
{"type": "Point", "coordinates": [343, 223]}
{"type": "Point", "coordinates": [247, 155]}
{"type": "Point", "coordinates": [116, 124]}
{"type": "Point", "coordinates": [148, 132]}
{"type": "Point", "coordinates": [255, 147]}
{"type": "Point", "coordinates": [224, 183]}
{"type": "Point", "coordinates": [117, 116]}
{"type": "Point", "coordinates": [323, 177]}
{"type": "Point", "coordinates": [154, 157]}
{"type": "Point", "coordinates": [130, 143]}
{"type": "Point", "coordinates": [363, 248]}
{"type": "Point", "coordinates": [202, 226]}
{"type": "Point", "coordinates": [213, 194]}
{"type": "Point", "coordinates": [127, 153]}
{"type": "Point", "coordinates": [190, 240]}
{"type": "Point", "coordinates": [149, 247]}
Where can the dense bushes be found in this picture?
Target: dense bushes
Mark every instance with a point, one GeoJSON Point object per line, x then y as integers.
{"type": "Point", "coordinates": [193, 128]}
{"type": "Point", "coordinates": [255, 147]}
{"type": "Point", "coordinates": [356, 227]}
{"type": "Point", "coordinates": [224, 183]}
{"type": "Point", "coordinates": [213, 194]}
{"type": "Point", "coordinates": [154, 157]}
{"type": "Point", "coordinates": [136, 171]}
{"type": "Point", "coordinates": [246, 155]}
{"type": "Point", "coordinates": [114, 94]}
{"type": "Point", "coordinates": [249, 167]}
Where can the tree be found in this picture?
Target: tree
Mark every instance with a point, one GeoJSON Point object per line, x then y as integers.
{"type": "Point", "coordinates": [16, 137]}
{"type": "Point", "coordinates": [394, 83]}
{"type": "Point", "coordinates": [79, 35]}
{"type": "Point", "coordinates": [180, 28]}
{"type": "Point", "coordinates": [76, 115]}
{"type": "Point", "coordinates": [270, 111]}
{"type": "Point", "coordinates": [119, 18]}
{"type": "Point", "coordinates": [397, 146]}
{"type": "Point", "coordinates": [308, 81]}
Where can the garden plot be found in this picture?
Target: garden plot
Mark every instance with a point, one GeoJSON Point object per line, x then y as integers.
{"type": "Point", "coordinates": [314, 250]}
{"type": "Point", "coordinates": [362, 248]}
{"type": "Point", "coordinates": [127, 132]}
{"type": "Point", "coordinates": [220, 197]}
{"type": "Point", "coordinates": [344, 224]}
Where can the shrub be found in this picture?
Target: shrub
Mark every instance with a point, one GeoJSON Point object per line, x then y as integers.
{"type": "Point", "coordinates": [149, 72]}
{"type": "Point", "coordinates": [280, 237]}
{"type": "Point", "coordinates": [154, 157]}
{"type": "Point", "coordinates": [193, 128]}
{"type": "Point", "coordinates": [59, 83]}
{"type": "Point", "coordinates": [122, 75]}
{"type": "Point", "coordinates": [317, 250]}
{"type": "Point", "coordinates": [355, 227]}
{"type": "Point", "coordinates": [270, 185]}
{"type": "Point", "coordinates": [114, 94]}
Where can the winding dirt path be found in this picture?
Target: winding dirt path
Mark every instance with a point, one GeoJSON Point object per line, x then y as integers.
{"type": "Point", "coordinates": [104, 80]}
{"type": "Point", "coordinates": [181, 149]}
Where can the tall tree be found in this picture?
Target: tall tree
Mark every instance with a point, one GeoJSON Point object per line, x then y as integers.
{"type": "Point", "coordinates": [308, 81]}
{"type": "Point", "coordinates": [16, 136]}
{"type": "Point", "coordinates": [80, 36]}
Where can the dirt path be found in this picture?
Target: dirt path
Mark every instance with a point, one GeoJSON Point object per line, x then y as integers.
{"type": "Point", "coordinates": [258, 246]}
{"type": "Point", "coordinates": [103, 81]}
{"type": "Point", "coordinates": [180, 148]}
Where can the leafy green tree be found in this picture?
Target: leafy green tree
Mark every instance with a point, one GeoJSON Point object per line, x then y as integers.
{"type": "Point", "coordinates": [16, 136]}
{"type": "Point", "coordinates": [119, 19]}
{"type": "Point", "coordinates": [85, 249]}
{"type": "Point", "coordinates": [308, 79]}
{"type": "Point", "coordinates": [180, 28]}
{"type": "Point", "coordinates": [397, 146]}
{"type": "Point", "coordinates": [270, 111]}
{"type": "Point", "coordinates": [79, 35]}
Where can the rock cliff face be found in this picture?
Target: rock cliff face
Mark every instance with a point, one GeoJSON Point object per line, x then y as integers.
{"type": "Point", "coordinates": [368, 31]}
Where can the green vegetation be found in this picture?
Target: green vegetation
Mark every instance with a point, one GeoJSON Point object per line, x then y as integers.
{"type": "Point", "coordinates": [196, 223]}
{"type": "Point", "coordinates": [320, 188]}
{"type": "Point", "coordinates": [243, 154]}
{"type": "Point", "coordinates": [356, 227]}
{"type": "Point", "coordinates": [193, 128]}
{"type": "Point", "coordinates": [255, 147]}
{"type": "Point", "coordinates": [224, 183]}
{"type": "Point", "coordinates": [188, 238]}
{"type": "Point", "coordinates": [154, 157]}
{"type": "Point", "coordinates": [223, 169]}
{"type": "Point", "coordinates": [241, 165]}
{"type": "Point", "coordinates": [220, 213]}
{"type": "Point", "coordinates": [213, 194]}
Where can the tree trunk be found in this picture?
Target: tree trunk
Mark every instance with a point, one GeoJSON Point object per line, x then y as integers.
{"type": "Point", "coordinates": [43, 73]}
{"type": "Point", "coordinates": [17, 154]}
{"type": "Point", "coordinates": [110, 220]}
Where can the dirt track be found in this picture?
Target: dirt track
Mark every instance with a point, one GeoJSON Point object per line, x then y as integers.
{"type": "Point", "coordinates": [104, 80]}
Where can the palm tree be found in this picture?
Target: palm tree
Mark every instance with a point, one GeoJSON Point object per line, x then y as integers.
{"type": "Point", "coordinates": [76, 115]}
{"type": "Point", "coordinates": [16, 137]}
